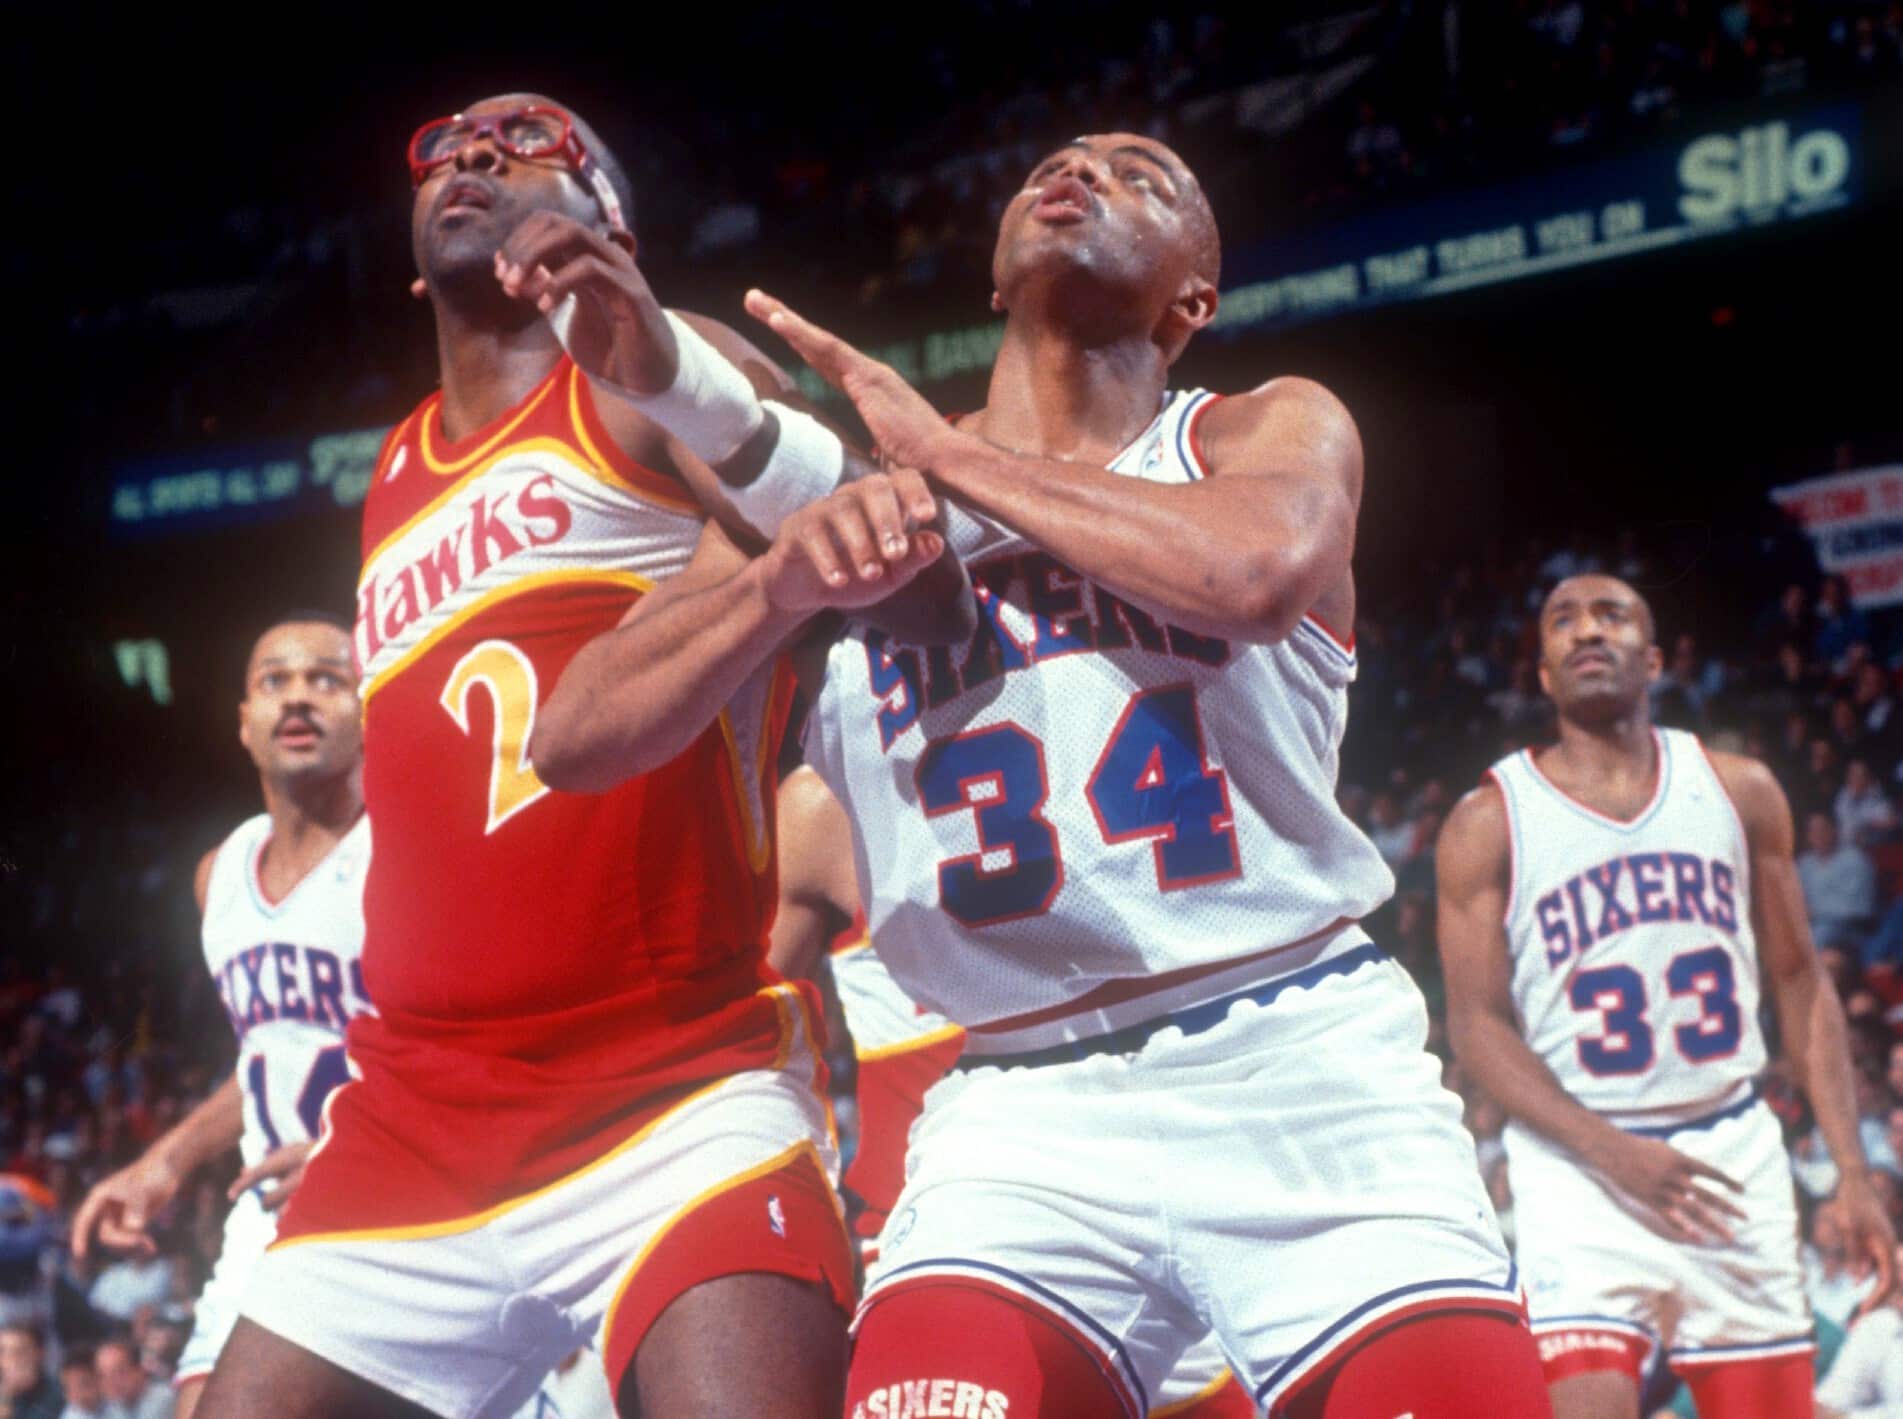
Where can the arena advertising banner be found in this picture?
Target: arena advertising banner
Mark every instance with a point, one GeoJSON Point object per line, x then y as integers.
{"type": "Point", "coordinates": [243, 484]}
{"type": "Point", "coordinates": [1855, 520]}
{"type": "Point", "coordinates": [1710, 181]}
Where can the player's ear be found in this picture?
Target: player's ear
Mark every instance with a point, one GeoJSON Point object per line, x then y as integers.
{"type": "Point", "coordinates": [1654, 663]}
{"type": "Point", "coordinates": [1195, 305]}
{"type": "Point", "coordinates": [997, 303]}
{"type": "Point", "coordinates": [419, 288]}
{"type": "Point", "coordinates": [244, 730]}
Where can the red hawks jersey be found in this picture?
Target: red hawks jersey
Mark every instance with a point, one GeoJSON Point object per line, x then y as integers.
{"type": "Point", "coordinates": [549, 961]}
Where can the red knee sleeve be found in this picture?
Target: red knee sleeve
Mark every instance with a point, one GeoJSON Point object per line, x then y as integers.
{"type": "Point", "coordinates": [955, 1349]}
{"type": "Point", "coordinates": [1443, 1365]}
{"type": "Point", "coordinates": [1743, 1389]}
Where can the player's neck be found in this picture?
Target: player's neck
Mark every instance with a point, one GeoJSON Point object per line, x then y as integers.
{"type": "Point", "coordinates": [308, 818]}
{"type": "Point", "coordinates": [1055, 396]}
{"type": "Point", "coordinates": [488, 370]}
{"type": "Point", "coordinates": [1617, 749]}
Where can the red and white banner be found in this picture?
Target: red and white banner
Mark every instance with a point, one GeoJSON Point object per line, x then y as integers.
{"type": "Point", "coordinates": [1855, 521]}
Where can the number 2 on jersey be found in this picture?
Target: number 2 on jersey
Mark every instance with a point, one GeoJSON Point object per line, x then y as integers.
{"type": "Point", "coordinates": [506, 673]}
{"type": "Point", "coordinates": [1152, 782]}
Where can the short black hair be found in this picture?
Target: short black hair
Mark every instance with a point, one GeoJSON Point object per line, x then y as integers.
{"type": "Point", "coordinates": [294, 616]}
{"type": "Point", "coordinates": [80, 1355]}
{"type": "Point", "coordinates": [304, 616]}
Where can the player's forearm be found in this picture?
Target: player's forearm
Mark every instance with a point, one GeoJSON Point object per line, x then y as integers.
{"type": "Point", "coordinates": [208, 1130]}
{"type": "Point", "coordinates": [1502, 1063]}
{"type": "Point", "coordinates": [636, 697]}
{"type": "Point", "coordinates": [1811, 1021]}
{"type": "Point", "coordinates": [1215, 556]}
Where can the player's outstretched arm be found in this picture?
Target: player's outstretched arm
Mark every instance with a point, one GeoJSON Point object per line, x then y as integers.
{"type": "Point", "coordinates": [637, 696]}
{"type": "Point", "coordinates": [1242, 555]}
{"type": "Point", "coordinates": [818, 892]}
{"type": "Point", "coordinates": [120, 1208]}
{"type": "Point", "coordinates": [1473, 869]}
{"type": "Point", "coordinates": [1810, 1017]}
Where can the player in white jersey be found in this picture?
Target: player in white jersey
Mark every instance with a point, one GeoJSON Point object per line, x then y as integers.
{"type": "Point", "coordinates": [1102, 838]}
{"type": "Point", "coordinates": [901, 1049]}
{"type": "Point", "coordinates": [1611, 909]}
{"type": "Point", "coordinates": [281, 901]}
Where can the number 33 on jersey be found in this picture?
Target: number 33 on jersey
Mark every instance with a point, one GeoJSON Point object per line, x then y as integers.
{"type": "Point", "coordinates": [1634, 964]}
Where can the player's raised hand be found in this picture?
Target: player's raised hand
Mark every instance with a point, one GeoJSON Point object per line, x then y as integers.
{"type": "Point", "coordinates": [615, 330]}
{"type": "Point", "coordinates": [907, 429]}
{"type": "Point", "coordinates": [284, 1164]}
{"type": "Point", "coordinates": [1675, 1189]}
{"type": "Point", "coordinates": [1869, 1238]}
{"type": "Point", "coordinates": [120, 1208]}
{"type": "Point", "coordinates": [855, 547]}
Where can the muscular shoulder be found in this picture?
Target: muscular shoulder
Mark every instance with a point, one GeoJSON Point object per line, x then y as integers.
{"type": "Point", "coordinates": [1475, 843]}
{"type": "Point", "coordinates": [1754, 791]}
{"type": "Point", "coordinates": [1286, 425]}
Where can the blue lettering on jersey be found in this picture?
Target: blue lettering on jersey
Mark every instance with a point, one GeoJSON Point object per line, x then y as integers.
{"type": "Point", "coordinates": [1639, 889]}
{"type": "Point", "coordinates": [279, 980]}
{"type": "Point", "coordinates": [1069, 616]}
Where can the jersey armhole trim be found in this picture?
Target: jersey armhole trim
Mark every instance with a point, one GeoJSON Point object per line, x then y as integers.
{"type": "Point", "coordinates": [1731, 807]}
{"type": "Point", "coordinates": [621, 470]}
{"type": "Point", "coordinates": [1514, 854]}
{"type": "Point", "coordinates": [1188, 440]}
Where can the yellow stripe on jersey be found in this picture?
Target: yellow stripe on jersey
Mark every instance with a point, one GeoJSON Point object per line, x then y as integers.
{"type": "Point", "coordinates": [440, 465]}
{"type": "Point", "coordinates": [603, 467]}
{"type": "Point", "coordinates": [570, 455]}
{"type": "Point", "coordinates": [936, 1037]}
{"type": "Point", "coordinates": [520, 586]}
{"type": "Point", "coordinates": [422, 1231]}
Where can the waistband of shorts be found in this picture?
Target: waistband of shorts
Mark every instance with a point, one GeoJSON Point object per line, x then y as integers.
{"type": "Point", "coordinates": [1115, 1004]}
{"type": "Point", "coordinates": [1739, 1100]}
{"type": "Point", "coordinates": [1191, 1020]}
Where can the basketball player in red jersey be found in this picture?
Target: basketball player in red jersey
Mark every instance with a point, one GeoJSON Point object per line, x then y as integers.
{"type": "Point", "coordinates": [902, 1049]}
{"type": "Point", "coordinates": [586, 1103]}
{"type": "Point", "coordinates": [1106, 842]}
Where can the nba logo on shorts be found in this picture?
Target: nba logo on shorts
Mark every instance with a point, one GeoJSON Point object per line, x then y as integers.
{"type": "Point", "coordinates": [897, 1230]}
{"type": "Point", "coordinates": [776, 1215]}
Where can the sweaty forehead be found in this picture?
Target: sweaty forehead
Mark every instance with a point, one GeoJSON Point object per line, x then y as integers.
{"type": "Point", "coordinates": [1155, 151]}
{"type": "Point", "coordinates": [1576, 592]}
{"type": "Point", "coordinates": [299, 642]}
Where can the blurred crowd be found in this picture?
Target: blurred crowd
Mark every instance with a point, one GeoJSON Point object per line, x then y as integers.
{"type": "Point", "coordinates": [892, 219]}
{"type": "Point", "coordinates": [108, 1032]}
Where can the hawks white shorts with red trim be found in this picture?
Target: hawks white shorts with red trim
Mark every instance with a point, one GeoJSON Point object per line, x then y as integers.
{"type": "Point", "coordinates": [1596, 1273]}
{"type": "Point", "coordinates": [466, 1318]}
{"type": "Point", "coordinates": [1280, 1167]}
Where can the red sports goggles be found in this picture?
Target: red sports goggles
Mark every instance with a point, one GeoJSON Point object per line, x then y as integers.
{"type": "Point", "coordinates": [537, 133]}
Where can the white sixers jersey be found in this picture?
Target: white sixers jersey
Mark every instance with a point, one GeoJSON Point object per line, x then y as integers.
{"type": "Point", "coordinates": [1085, 794]}
{"type": "Point", "coordinates": [1635, 971]}
{"type": "Point", "coordinates": [289, 976]}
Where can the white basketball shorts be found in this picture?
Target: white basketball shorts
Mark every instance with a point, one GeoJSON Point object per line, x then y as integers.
{"type": "Point", "coordinates": [1595, 1267]}
{"type": "Point", "coordinates": [1280, 1167]}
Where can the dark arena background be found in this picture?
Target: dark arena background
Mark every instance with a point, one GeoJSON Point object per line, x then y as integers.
{"type": "Point", "coordinates": [1602, 281]}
